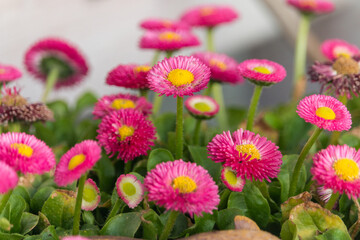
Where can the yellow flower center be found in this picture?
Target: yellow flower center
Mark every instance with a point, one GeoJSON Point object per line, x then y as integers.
{"type": "Point", "coordinates": [346, 169]}
{"type": "Point", "coordinates": [169, 36]}
{"type": "Point", "coordinates": [125, 131]}
{"type": "Point", "coordinates": [89, 194]}
{"type": "Point", "coordinates": [180, 77]}
{"type": "Point", "coordinates": [219, 64]}
{"type": "Point", "coordinates": [206, 11]}
{"type": "Point", "coordinates": [120, 103]}
{"type": "Point", "coordinates": [201, 106]}
{"type": "Point", "coordinates": [129, 189]}
{"type": "Point", "coordinates": [142, 68]}
{"type": "Point", "coordinates": [76, 161]}
{"type": "Point", "coordinates": [184, 184]}
{"type": "Point", "coordinates": [261, 69]}
{"type": "Point", "coordinates": [2, 71]}
{"type": "Point", "coordinates": [342, 53]}
{"type": "Point", "coordinates": [344, 65]}
{"type": "Point", "coordinates": [23, 149]}
{"type": "Point", "coordinates": [325, 113]}
{"type": "Point", "coordinates": [249, 149]}
{"type": "Point", "coordinates": [230, 177]}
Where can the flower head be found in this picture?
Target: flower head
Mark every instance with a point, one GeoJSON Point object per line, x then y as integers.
{"type": "Point", "coordinates": [115, 102]}
{"type": "Point", "coordinates": [324, 193]}
{"type": "Point", "coordinates": [179, 76]}
{"type": "Point", "coordinates": [231, 180]}
{"type": "Point", "coordinates": [168, 40]}
{"type": "Point", "coordinates": [250, 156]}
{"type": "Point", "coordinates": [340, 76]}
{"type": "Point", "coordinates": [160, 24]}
{"type": "Point", "coordinates": [182, 186]}
{"type": "Point", "coordinates": [77, 161]}
{"type": "Point", "coordinates": [262, 71]}
{"type": "Point", "coordinates": [9, 73]}
{"type": "Point", "coordinates": [223, 68]}
{"type": "Point", "coordinates": [130, 189]}
{"type": "Point", "coordinates": [334, 48]}
{"type": "Point", "coordinates": [202, 107]}
{"type": "Point", "coordinates": [91, 196]}
{"type": "Point", "coordinates": [338, 168]}
{"type": "Point", "coordinates": [129, 76]}
{"type": "Point", "coordinates": [312, 6]}
{"type": "Point", "coordinates": [209, 16]}
{"type": "Point", "coordinates": [26, 153]}
{"type": "Point", "coordinates": [8, 177]}
{"type": "Point", "coordinates": [127, 133]}
{"type": "Point", "coordinates": [51, 53]}
{"type": "Point", "coordinates": [325, 112]}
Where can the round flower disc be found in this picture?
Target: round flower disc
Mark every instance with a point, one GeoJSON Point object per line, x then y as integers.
{"type": "Point", "coordinates": [202, 107]}
{"type": "Point", "coordinates": [91, 196]}
{"type": "Point", "coordinates": [130, 189]}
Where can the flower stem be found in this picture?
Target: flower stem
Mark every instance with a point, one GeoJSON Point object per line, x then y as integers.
{"type": "Point", "coordinates": [77, 213]}
{"type": "Point", "coordinates": [169, 225]}
{"type": "Point", "coordinates": [217, 93]}
{"type": "Point", "coordinates": [210, 39]}
{"type": "Point", "coordinates": [197, 132]}
{"type": "Point", "coordinates": [300, 57]}
{"type": "Point", "coordinates": [336, 135]}
{"type": "Point", "coordinates": [301, 159]}
{"type": "Point", "coordinates": [50, 82]}
{"type": "Point", "coordinates": [144, 93]}
{"type": "Point", "coordinates": [207, 91]}
{"type": "Point", "coordinates": [331, 203]}
{"type": "Point", "coordinates": [179, 128]}
{"type": "Point", "coordinates": [114, 210]}
{"type": "Point", "coordinates": [127, 167]}
{"type": "Point", "coordinates": [253, 106]}
{"type": "Point", "coordinates": [156, 57]}
{"type": "Point", "coordinates": [5, 199]}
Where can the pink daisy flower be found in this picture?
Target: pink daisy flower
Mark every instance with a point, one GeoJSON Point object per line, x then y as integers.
{"type": "Point", "coordinates": [168, 40]}
{"type": "Point", "coordinates": [49, 52]}
{"type": "Point", "coordinates": [202, 107]}
{"type": "Point", "coordinates": [91, 196]}
{"type": "Point", "coordinates": [250, 156]}
{"type": "Point", "coordinates": [262, 71]}
{"type": "Point", "coordinates": [233, 182]}
{"type": "Point", "coordinates": [325, 112]}
{"type": "Point", "coordinates": [312, 6]}
{"type": "Point", "coordinates": [160, 24]}
{"type": "Point", "coordinates": [75, 238]}
{"type": "Point", "coordinates": [26, 153]}
{"type": "Point", "coordinates": [114, 102]}
{"type": "Point", "coordinates": [9, 73]}
{"type": "Point", "coordinates": [337, 168]}
{"type": "Point", "coordinates": [182, 186]}
{"type": "Point", "coordinates": [127, 133]}
{"type": "Point", "coordinates": [179, 76]}
{"type": "Point", "coordinates": [209, 16]}
{"type": "Point", "coordinates": [77, 161]}
{"type": "Point", "coordinates": [129, 76]}
{"type": "Point", "coordinates": [130, 189]}
{"type": "Point", "coordinates": [333, 48]}
{"type": "Point", "coordinates": [223, 68]}
{"type": "Point", "coordinates": [8, 178]}
{"type": "Point", "coordinates": [324, 193]}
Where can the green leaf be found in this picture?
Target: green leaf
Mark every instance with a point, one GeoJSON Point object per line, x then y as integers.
{"type": "Point", "coordinates": [235, 116]}
{"type": "Point", "coordinates": [59, 108]}
{"type": "Point", "coordinates": [88, 99]}
{"type": "Point", "coordinates": [131, 220]}
{"type": "Point", "coordinates": [273, 120]}
{"type": "Point", "coordinates": [205, 223]}
{"type": "Point", "coordinates": [349, 140]}
{"type": "Point", "coordinates": [200, 157]}
{"type": "Point", "coordinates": [225, 219]}
{"type": "Point", "coordinates": [88, 217]}
{"type": "Point", "coordinates": [152, 225]}
{"type": "Point", "coordinates": [49, 234]}
{"type": "Point", "coordinates": [44, 133]}
{"type": "Point", "coordinates": [43, 223]}
{"type": "Point", "coordinates": [288, 231]}
{"type": "Point", "coordinates": [334, 234]}
{"type": "Point", "coordinates": [12, 236]}
{"type": "Point", "coordinates": [28, 222]}
{"type": "Point", "coordinates": [164, 124]}
{"type": "Point", "coordinates": [13, 211]}
{"type": "Point", "coordinates": [180, 225]}
{"type": "Point", "coordinates": [22, 192]}
{"type": "Point", "coordinates": [39, 198]}
{"type": "Point", "coordinates": [106, 173]}
{"type": "Point", "coordinates": [237, 200]}
{"type": "Point", "coordinates": [157, 156]}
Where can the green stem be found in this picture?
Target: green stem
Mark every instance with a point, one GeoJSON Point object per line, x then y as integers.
{"type": "Point", "coordinates": [127, 167]}
{"type": "Point", "coordinates": [197, 132]}
{"type": "Point", "coordinates": [219, 98]}
{"type": "Point", "coordinates": [77, 213]}
{"type": "Point", "coordinates": [50, 82]}
{"type": "Point", "coordinates": [179, 128]}
{"type": "Point", "coordinates": [253, 106]}
{"type": "Point", "coordinates": [114, 210]}
{"type": "Point", "coordinates": [169, 54]}
{"type": "Point", "coordinates": [144, 93]}
{"type": "Point", "coordinates": [300, 55]}
{"type": "Point", "coordinates": [207, 91]}
{"type": "Point", "coordinates": [336, 135]}
{"type": "Point", "coordinates": [331, 203]}
{"type": "Point", "coordinates": [169, 225]}
{"type": "Point", "coordinates": [156, 57]}
{"type": "Point", "coordinates": [210, 39]}
{"type": "Point", "coordinates": [301, 159]}
{"type": "Point", "coordinates": [5, 199]}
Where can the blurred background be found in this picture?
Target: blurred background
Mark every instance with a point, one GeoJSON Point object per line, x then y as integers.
{"type": "Point", "coordinates": [107, 32]}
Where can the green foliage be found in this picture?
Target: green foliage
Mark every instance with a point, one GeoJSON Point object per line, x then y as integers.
{"type": "Point", "coordinates": [157, 156]}
{"type": "Point", "coordinates": [125, 224]}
